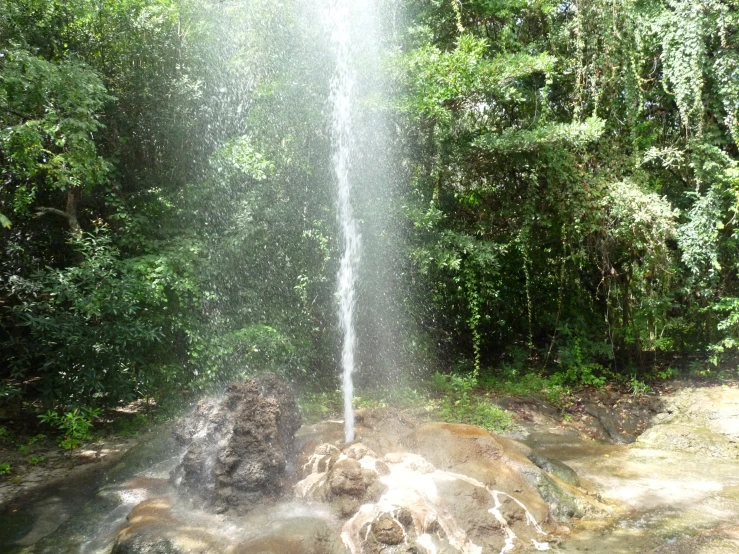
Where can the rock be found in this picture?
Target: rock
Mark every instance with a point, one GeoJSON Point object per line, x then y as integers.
{"type": "Point", "coordinates": [386, 530]}
{"type": "Point", "coordinates": [423, 489]}
{"type": "Point", "coordinates": [689, 438]}
{"type": "Point", "coordinates": [152, 529]}
{"type": "Point", "coordinates": [503, 464]}
{"type": "Point", "coordinates": [554, 467]}
{"type": "Point", "coordinates": [155, 528]}
{"type": "Point", "coordinates": [715, 541]}
{"type": "Point", "coordinates": [611, 421]}
{"type": "Point", "coordinates": [303, 535]}
{"type": "Point", "coordinates": [715, 408]}
{"type": "Point", "coordinates": [346, 478]}
{"type": "Point", "coordinates": [451, 489]}
{"type": "Point", "coordinates": [238, 447]}
{"type": "Point", "coordinates": [345, 485]}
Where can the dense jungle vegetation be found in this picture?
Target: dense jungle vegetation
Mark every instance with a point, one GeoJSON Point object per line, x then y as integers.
{"type": "Point", "coordinates": [569, 177]}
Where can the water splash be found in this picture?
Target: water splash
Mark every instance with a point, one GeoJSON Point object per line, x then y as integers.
{"type": "Point", "coordinates": [342, 100]}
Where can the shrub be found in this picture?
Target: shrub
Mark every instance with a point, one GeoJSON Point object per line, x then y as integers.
{"type": "Point", "coordinates": [76, 425]}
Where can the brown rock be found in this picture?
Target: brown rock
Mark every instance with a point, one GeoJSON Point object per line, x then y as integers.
{"type": "Point", "coordinates": [386, 530]}
{"type": "Point", "coordinates": [238, 447]}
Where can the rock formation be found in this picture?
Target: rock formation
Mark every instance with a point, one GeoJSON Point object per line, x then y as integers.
{"type": "Point", "coordinates": [452, 488]}
{"type": "Point", "coordinates": [403, 487]}
{"type": "Point", "coordinates": [238, 447]}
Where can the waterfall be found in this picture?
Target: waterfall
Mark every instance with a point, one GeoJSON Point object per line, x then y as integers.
{"type": "Point", "coordinates": [342, 100]}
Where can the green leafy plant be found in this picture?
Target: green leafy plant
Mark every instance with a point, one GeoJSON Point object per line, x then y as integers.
{"type": "Point", "coordinates": [5, 469]}
{"type": "Point", "coordinates": [316, 406]}
{"type": "Point", "coordinates": [37, 460]}
{"type": "Point", "coordinates": [459, 405]}
{"type": "Point", "coordinates": [131, 426]}
{"type": "Point", "coordinates": [6, 436]}
{"type": "Point", "coordinates": [397, 397]}
{"type": "Point", "coordinates": [36, 439]}
{"type": "Point", "coordinates": [639, 388]}
{"type": "Point", "coordinates": [576, 370]}
{"type": "Point", "coordinates": [669, 373]}
{"type": "Point", "coordinates": [76, 425]}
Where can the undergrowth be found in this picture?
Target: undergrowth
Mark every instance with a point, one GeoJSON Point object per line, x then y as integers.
{"type": "Point", "coordinates": [458, 404]}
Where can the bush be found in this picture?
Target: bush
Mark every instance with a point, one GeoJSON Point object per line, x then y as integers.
{"type": "Point", "coordinates": [100, 332]}
{"type": "Point", "coordinates": [76, 425]}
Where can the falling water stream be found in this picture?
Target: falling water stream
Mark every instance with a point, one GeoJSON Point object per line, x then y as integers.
{"type": "Point", "coordinates": [342, 99]}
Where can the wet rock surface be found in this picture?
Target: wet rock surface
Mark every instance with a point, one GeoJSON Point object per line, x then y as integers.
{"type": "Point", "coordinates": [604, 415]}
{"type": "Point", "coordinates": [152, 529]}
{"type": "Point", "coordinates": [718, 541]}
{"type": "Point", "coordinates": [426, 488]}
{"type": "Point", "coordinates": [676, 490]}
{"type": "Point", "coordinates": [156, 527]}
{"type": "Point", "coordinates": [695, 439]}
{"type": "Point", "coordinates": [238, 447]}
{"type": "Point", "coordinates": [700, 420]}
{"type": "Point", "coordinates": [438, 487]}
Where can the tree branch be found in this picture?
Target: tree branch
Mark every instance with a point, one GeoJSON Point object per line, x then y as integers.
{"type": "Point", "coordinates": [72, 220]}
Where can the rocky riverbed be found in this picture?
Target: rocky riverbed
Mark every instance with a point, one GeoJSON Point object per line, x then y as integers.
{"type": "Point", "coordinates": [665, 478]}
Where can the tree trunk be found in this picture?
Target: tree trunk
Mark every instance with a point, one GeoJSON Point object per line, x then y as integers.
{"type": "Point", "coordinates": [74, 196]}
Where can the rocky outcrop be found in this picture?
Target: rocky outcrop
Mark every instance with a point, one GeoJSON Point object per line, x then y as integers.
{"type": "Point", "coordinates": [450, 488]}
{"type": "Point", "coordinates": [153, 529]}
{"type": "Point", "coordinates": [714, 541]}
{"type": "Point", "coordinates": [403, 487]}
{"type": "Point", "coordinates": [238, 447]}
{"type": "Point", "coordinates": [703, 421]}
{"type": "Point", "coordinates": [547, 488]}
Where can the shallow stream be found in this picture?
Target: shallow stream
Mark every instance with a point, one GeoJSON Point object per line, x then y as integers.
{"type": "Point", "coordinates": [658, 497]}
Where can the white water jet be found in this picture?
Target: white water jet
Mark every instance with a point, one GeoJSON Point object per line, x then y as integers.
{"type": "Point", "coordinates": [342, 101]}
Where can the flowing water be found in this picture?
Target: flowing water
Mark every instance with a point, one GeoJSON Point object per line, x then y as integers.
{"type": "Point", "coordinates": [360, 169]}
{"type": "Point", "coordinates": [342, 99]}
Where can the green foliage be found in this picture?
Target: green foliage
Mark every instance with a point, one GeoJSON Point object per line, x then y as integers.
{"type": "Point", "coordinates": [37, 460]}
{"type": "Point", "coordinates": [576, 370]}
{"type": "Point", "coordinates": [639, 388]}
{"type": "Point", "coordinates": [131, 426]}
{"type": "Point", "coordinates": [50, 111]}
{"type": "Point", "coordinates": [243, 353]}
{"type": "Point", "coordinates": [75, 425]}
{"type": "Point", "coordinates": [398, 397]}
{"type": "Point", "coordinates": [576, 135]}
{"type": "Point", "coordinates": [668, 373]}
{"type": "Point", "coordinates": [5, 469]}
{"type": "Point", "coordinates": [568, 176]}
{"type": "Point", "coordinates": [516, 382]}
{"type": "Point", "coordinates": [321, 405]}
{"type": "Point", "coordinates": [458, 404]}
{"type": "Point", "coordinates": [546, 134]}
{"type": "Point", "coordinates": [95, 328]}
